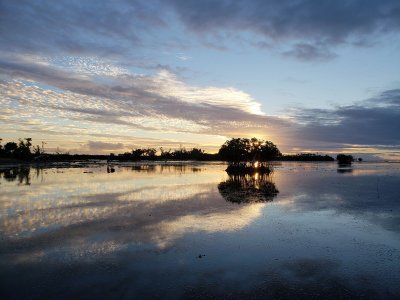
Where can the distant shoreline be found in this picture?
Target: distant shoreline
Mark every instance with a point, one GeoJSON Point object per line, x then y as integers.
{"type": "Point", "coordinates": [103, 161]}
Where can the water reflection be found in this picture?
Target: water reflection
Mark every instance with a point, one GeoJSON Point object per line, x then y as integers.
{"type": "Point", "coordinates": [110, 169]}
{"type": "Point", "coordinates": [165, 168]}
{"type": "Point", "coordinates": [139, 232]}
{"type": "Point", "coordinates": [20, 174]}
{"type": "Point", "coordinates": [150, 208]}
{"type": "Point", "coordinates": [248, 188]}
{"type": "Point", "coordinates": [343, 169]}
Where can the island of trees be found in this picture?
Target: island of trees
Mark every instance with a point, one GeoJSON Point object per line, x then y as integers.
{"type": "Point", "coordinates": [344, 159]}
{"type": "Point", "coordinates": [242, 154]}
{"type": "Point", "coordinates": [248, 155]}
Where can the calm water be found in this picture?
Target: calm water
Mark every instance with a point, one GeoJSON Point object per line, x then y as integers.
{"type": "Point", "coordinates": [190, 231]}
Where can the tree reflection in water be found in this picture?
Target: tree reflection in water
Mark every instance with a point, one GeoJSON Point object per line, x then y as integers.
{"type": "Point", "coordinates": [344, 169]}
{"type": "Point", "coordinates": [166, 168]}
{"type": "Point", "coordinates": [248, 188]}
{"type": "Point", "coordinates": [22, 174]}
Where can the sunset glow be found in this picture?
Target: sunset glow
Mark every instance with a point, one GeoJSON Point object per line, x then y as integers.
{"type": "Point", "coordinates": [173, 75]}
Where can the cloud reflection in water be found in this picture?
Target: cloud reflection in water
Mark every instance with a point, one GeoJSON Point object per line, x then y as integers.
{"type": "Point", "coordinates": [323, 232]}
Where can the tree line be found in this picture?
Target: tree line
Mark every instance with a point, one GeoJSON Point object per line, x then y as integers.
{"type": "Point", "coordinates": [177, 154]}
{"type": "Point", "coordinates": [235, 151]}
{"type": "Point", "coordinates": [23, 150]}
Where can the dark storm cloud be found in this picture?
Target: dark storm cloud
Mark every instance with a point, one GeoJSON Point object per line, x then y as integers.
{"type": "Point", "coordinates": [375, 121]}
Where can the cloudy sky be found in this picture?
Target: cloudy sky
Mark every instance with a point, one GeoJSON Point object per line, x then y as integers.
{"type": "Point", "coordinates": [109, 76]}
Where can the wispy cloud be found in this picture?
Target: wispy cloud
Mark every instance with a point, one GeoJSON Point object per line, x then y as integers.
{"type": "Point", "coordinates": [68, 101]}
{"type": "Point", "coordinates": [162, 103]}
{"type": "Point", "coordinates": [183, 57]}
{"type": "Point", "coordinates": [96, 146]}
{"type": "Point", "coordinates": [310, 52]}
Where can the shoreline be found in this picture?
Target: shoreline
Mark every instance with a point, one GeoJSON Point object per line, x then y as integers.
{"type": "Point", "coordinates": [12, 163]}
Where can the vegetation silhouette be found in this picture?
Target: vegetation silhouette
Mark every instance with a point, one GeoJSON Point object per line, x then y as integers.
{"type": "Point", "coordinates": [151, 154]}
{"type": "Point", "coordinates": [243, 155]}
{"type": "Point", "coordinates": [238, 150]}
{"type": "Point", "coordinates": [246, 188]}
{"type": "Point", "coordinates": [248, 156]}
{"type": "Point", "coordinates": [344, 159]}
{"type": "Point", "coordinates": [305, 157]}
{"type": "Point", "coordinates": [22, 150]}
{"type": "Point", "coordinates": [20, 174]}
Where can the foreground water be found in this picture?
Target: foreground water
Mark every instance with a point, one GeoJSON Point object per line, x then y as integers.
{"type": "Point", "coordinates": [189, 231]}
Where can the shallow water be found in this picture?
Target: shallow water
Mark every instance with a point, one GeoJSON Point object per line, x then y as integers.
{"type": "Point", "coordinates": [172, 231]}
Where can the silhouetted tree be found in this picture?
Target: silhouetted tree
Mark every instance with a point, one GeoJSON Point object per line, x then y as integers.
{"type": "Point", "coordinates": [235, 150]}
{"type": "Point", "coordinates": [239, 150]}
{"type": "Point", "coordinates": [137, 153]}
{"type": "Point", "coordinates": [268, 151]}
{"type": "Point", "coordinates": [24, 149]}
{"type": "Point", "coordinates": [165, 154]}
{"type": "Point", "coordinates": [37, 150]}
{"type": "Point", "coordinates": [344, 159]}
{"type": "Point", "coordinates": [10, 148]}
{"type": "Point", "coordinates": [1, 149]}
{"type": "Point", "coordinates": [150, 152]}
{"type": "Point", "coordinates": [196, 153]}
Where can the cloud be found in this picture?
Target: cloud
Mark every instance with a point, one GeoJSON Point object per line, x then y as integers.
{"type": "Point", "coordinates": [65, 67]}
{"type": "Point", "coordinates": [96, 146]}
{"type": "Point", "coordinates": [308, 52]}
{"type": "Point", "coordinates": [310, 23]}
{"type": "Point", "coordinates": [120, 29]}
{"type": "Point", "coordinates": [374, 121]}
{"type": "Point", "coordinates": [87, 65]}
{"type": "Point", "coordinates": [183, 57]}
{"type": "Point", "coordinates": [39, 96]}
{"type": "Point", "coordinates": [333, 21]}
{"type": "Point", "coordinates": [160, 102]}
{"type": "Point", "coordinates": [74, 26]}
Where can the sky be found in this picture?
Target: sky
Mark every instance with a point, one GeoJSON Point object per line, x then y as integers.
{"type": "Point", "coordinates": [109, 76]}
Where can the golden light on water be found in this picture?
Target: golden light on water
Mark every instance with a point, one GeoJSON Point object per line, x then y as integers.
{"type": "Point", "coordinates": [131, 197]}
